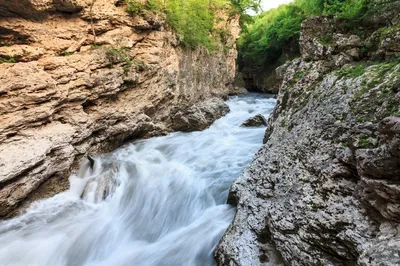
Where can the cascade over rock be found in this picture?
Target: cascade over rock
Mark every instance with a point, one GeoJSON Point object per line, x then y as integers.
{"type": "Point", "coordinates": [157, 202]}
{"type": "Point", "coordinates": [67, 96]}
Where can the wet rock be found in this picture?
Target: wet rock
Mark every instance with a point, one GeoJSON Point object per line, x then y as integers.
{"type": "Point", "coordinates": [324, 188]}
{"type": "Point", "coordinates": [237, 91]}
{"type": "Point", "coordinates": [256, 121]}
{"type": "Point", "coordinates": [104, 177]}
{"type": "Point", "coordinates": [198, 117]}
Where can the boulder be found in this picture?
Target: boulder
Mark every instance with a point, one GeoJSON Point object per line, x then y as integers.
{"type": "Point", "coordinates": [200, 116]}
{"type": "Point", "coordinates": [256, 121]}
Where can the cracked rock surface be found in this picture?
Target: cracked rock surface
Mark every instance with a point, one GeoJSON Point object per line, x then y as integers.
{"type": "Point", "coordinates": [65, 96]}
{"type": "Point", "coordinates": [324, 189]}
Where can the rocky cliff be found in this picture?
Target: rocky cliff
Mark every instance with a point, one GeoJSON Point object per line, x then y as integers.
{"type": "Point", "coordinates": [324, 189]}
{"type": "Point", "coordinates": [78, 78]}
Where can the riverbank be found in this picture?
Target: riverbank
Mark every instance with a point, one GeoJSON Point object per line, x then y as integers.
{"type": "Point", "coordinates": [165, 204]}
{"type": "Point", "coordinates": [65, 95]}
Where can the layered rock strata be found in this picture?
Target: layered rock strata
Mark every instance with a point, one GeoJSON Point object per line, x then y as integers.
{"type": "Point", "coordinates": [77, 78]}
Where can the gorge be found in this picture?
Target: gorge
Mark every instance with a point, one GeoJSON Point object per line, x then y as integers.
{"type": "Point", "coordinates": [168, 207]}
{"type": "Point", "coordinates": [122, 141]}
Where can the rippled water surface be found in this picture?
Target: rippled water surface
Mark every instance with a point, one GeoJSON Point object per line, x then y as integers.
{"type": "Point", "coordinates": [154, 202]}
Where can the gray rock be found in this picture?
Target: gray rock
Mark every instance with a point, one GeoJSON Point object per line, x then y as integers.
{"type": "Point", "coordinates": [198, 117]}
{"type": "Point", "coordinates": [323, 190]}
{"type": "Point", "coordinates": [256, 121]}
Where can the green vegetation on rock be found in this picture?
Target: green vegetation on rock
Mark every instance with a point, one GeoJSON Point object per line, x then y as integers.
{"type": "Point", "coordinates": [7, 60]}
{"type": "Point", "coordinates": [194, 20]}
{"type": "Point", "coordinates": [352, 71]}
{"type": "Point", "coordinates": [274, 35]}
{"type": "Point", "coordinates": [122, 54]}
{"type": "Point", "coordinates": [346, 9]}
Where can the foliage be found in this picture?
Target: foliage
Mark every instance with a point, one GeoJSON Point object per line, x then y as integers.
{"type": "Point", "coordinates": [194, 20]}
{"type": "Point", "coordinates": [135, 7]}
{"type": "Point", "coordinates": [326, 39]}
{"type": "Point", "coordinates": [272, 34]}
{"type": "Point", "coordinates": [243, 5]}
{"type": "Point", "coordinates": [65, 53]}
{"type": "Point", "coordinates": [311, 7]}
{"type": "Point", "coordinates": [118, 54]}
{"type": "Point", "coordinates": [7, 60]}
{"type": "Point", "coordinates": [154, 5]}
{"type": "Point", "coordinates": [352, 71]}
{"type": "Point", "coordinates": [346, 9]}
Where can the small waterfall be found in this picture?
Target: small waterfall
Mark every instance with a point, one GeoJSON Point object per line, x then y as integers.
{"type": "Point", "coordinates": [102, 177]}
{"type": "Point", "coordinates": [156, 202]}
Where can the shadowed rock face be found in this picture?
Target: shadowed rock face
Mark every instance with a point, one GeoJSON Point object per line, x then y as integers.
{"type": "Point", "coordinates": [66, 97]}
{"type": "Point", "coordinates": [324, 189]}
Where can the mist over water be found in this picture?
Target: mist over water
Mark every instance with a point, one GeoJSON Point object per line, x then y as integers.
{"type": "Point", "coordinates": [156, 202]}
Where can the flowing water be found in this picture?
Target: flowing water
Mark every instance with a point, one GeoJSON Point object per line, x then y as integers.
{"type": "Point", "coordinates": [156, 202]}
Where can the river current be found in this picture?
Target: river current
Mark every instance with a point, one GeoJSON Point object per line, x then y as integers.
{"type": "Point", "coordinates": [155, 202]}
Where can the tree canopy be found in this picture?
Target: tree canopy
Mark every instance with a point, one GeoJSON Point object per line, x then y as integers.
{"type": "Point", "coordinates": [275, 33]}
{"type": "Point", "coordinates": [194, 20]}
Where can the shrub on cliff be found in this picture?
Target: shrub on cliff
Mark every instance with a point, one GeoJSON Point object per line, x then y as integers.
{"type": "Point", "coordinates": [346, 9]}
{"type": "Point", "coordinates": [273, 35]}
{"type": "Point", "coordinates": [194, 20]}
{"type": "Point", "coordinates": [135, 7]}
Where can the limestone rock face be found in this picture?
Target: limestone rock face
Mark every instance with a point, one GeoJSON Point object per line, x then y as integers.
{"type": "Point", "coordinates": [321, 39]}
{"type": "Point", "coordinates": [256, 121]}
{"type": "Point", "coordinates": [324, 189]}
{"type": "Point", "coordinates": [67, 96]}
{"type": "Point", "coordinates": [36, 9]}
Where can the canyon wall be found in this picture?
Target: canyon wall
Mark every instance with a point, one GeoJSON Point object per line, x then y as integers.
{"type": "Point", "coordinates": [78, 79]}
{"type": "Point", "coordinates": [324, 189]}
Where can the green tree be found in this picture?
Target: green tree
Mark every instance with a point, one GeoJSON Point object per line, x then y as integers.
{"type": "Point", "coordinates": [243, 5]}
{"type": "Point", "coordinates": [273, 34]}
{"type": "Point", "coordinates": [193, 20]}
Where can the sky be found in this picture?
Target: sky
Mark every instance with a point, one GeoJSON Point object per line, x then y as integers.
{"type": "Point", "coordinates": [268, 4]}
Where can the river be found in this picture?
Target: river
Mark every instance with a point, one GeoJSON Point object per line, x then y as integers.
{"type": "Point", "coordinates": [155, 202]}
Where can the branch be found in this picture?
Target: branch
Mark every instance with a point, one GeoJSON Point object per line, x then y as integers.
{"type": "Point", "coordinates": [91, 20]}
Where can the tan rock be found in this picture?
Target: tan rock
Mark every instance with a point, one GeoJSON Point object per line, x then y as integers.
{"type": "Point", "coordinates": [22, 53]}
{"type": "Point", "coordinates": [73, 96]}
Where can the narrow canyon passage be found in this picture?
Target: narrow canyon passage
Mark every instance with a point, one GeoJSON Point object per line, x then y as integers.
{"type": "Point", "coordinates": [159, 201]}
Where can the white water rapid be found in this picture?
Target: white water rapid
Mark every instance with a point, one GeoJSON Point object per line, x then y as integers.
{"type": "Point", "coordinates": [156, 202]}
